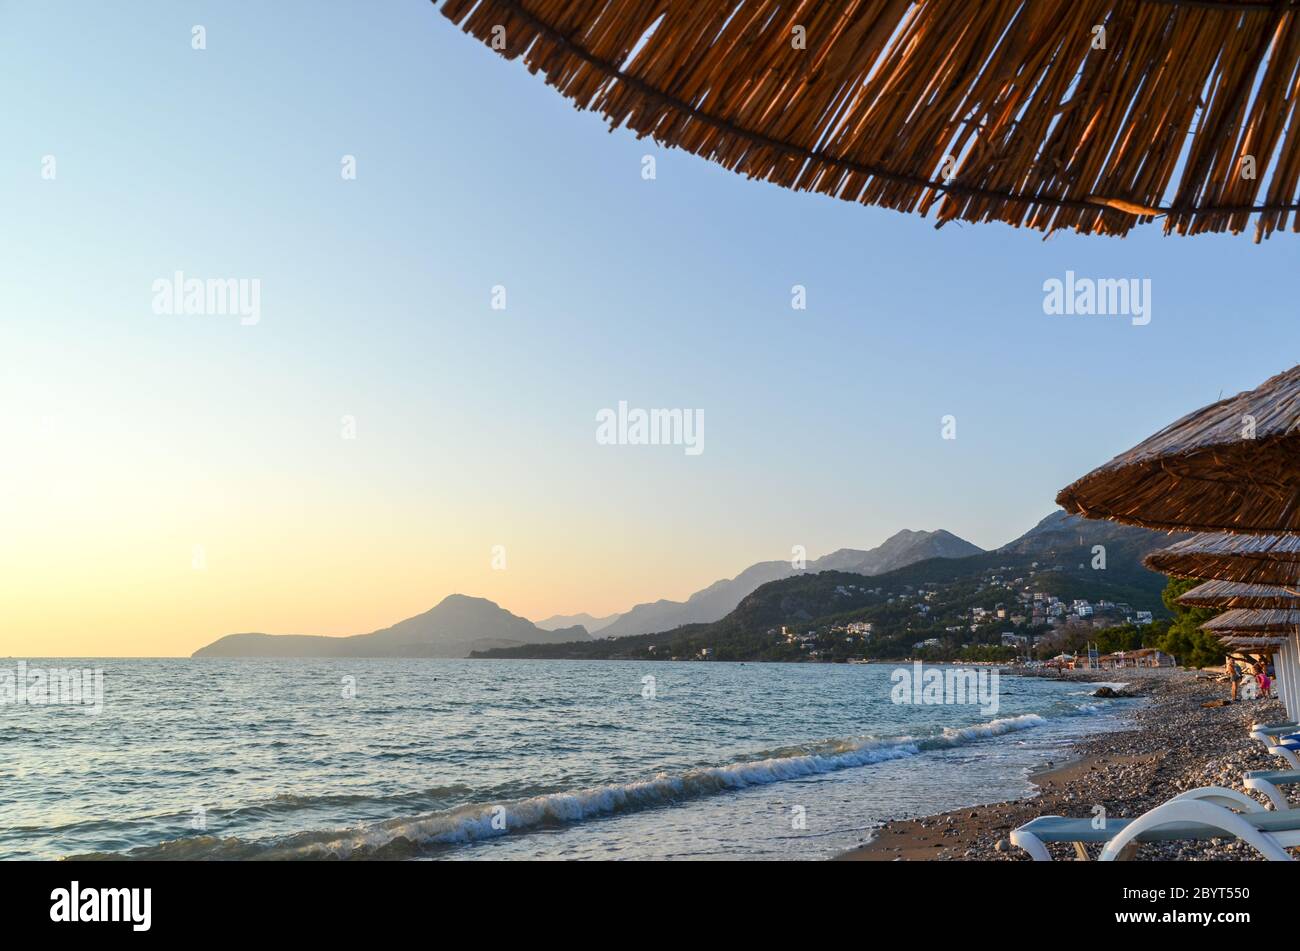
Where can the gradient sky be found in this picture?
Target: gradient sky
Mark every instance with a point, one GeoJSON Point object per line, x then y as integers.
{"type": "Point", "coordinates": [129, 438]}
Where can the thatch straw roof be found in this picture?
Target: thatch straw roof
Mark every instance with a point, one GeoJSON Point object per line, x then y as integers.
{"type": "Point", "coordinates": [1232, 466]}
{"type": "Point", "coordinates": [1253, 621]}
{"type": "Point", "coordinates": [996, 110]}
{"type": "Point", "coordinates": [1229, 594]}
{"type": "Point", "coordinates": [1263, 646]}
{"type": "Point", "coordinates": [1250, 559]}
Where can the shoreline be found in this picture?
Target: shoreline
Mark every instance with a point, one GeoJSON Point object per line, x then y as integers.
{"type": "Point", "coordinates": [1170, 744]}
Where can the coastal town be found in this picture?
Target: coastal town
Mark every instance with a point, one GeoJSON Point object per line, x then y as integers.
{"type": "Point", "coordinates": [1010, 613]}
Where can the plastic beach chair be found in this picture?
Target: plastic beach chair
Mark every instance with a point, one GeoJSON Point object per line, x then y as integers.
{"type": "Point", "coordinates": [1268, 783]}
{"type": "Point", "coordinates": [1211, 812]}
{"type": "Point", "coordinates": [1285, 746]}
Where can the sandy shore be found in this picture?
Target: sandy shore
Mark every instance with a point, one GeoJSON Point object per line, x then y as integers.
{"type": "Point", "coordinates": [1174, 744]}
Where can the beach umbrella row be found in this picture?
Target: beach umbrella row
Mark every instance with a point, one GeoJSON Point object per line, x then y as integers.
{"type": "Point", "coordinates": [1231, 473]}
{"type": "Point", "coordinates": [1261, 618]}
{"type": "Point", "coordinates": [1266, 631]}
{"type": "Point", "coordinates": [1262, 614]}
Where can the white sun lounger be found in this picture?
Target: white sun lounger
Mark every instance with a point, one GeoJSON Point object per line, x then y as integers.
{"type": "Point", "coordinates": [1275, 729]}
{"type": "Point", "coordinates": [1275, 738]}
{"type": "Point", "coordinates": [1270, 734]}
{"type": "Point", "coordinates": [1208, 813]}
{"type": "Point", "coordinates": [1268, 781]}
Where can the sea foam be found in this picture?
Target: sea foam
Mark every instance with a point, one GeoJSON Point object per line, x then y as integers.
{"type": "Point", "coordinates": [400, 838]}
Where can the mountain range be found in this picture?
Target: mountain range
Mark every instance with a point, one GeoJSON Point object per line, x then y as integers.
{"type": "Point", "coordinates": [1062, 555]}
{"type": "Point", "coordinates": [721, 597]}
{"type": "Point", "coordinates": [460, 625]}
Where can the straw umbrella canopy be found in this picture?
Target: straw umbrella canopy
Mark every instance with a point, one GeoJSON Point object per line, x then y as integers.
{"type": "Point", "coordinates": [1229, 594]}
{"type": "Point", "coordinates": [1246, 559]}
{"type": "Point", "coordinates": [1255, 645]}
{"type": "Point", "coordinates": [1254, 621]}
{"type": "Point", "coordinates": [1051, 114]}
{"type": "Point", "coordinates": [1233, 466]}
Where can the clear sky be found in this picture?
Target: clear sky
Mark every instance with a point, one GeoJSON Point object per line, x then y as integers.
{"type": "Point", "coordinates": [133, 442]}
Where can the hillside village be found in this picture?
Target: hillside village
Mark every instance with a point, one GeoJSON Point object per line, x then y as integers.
{"type": "Point", "coordinates": [1061, 586]}
{"type": "Point", "coordinates": [1025, 622]}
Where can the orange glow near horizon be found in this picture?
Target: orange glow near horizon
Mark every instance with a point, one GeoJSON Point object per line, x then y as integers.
{"type": "Point", "coordinates": [157, 592]}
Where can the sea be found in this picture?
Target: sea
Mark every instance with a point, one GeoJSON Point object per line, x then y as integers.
{"type": "Point", "coordinates": [348, 759]}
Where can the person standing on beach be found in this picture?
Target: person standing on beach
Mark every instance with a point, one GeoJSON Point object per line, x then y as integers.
{"type": "Point", "coordinates": [1261, 675]}
{"type": "Point", "coordinates": [1234, 677]}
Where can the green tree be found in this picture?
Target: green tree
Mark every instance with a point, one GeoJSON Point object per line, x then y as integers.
{"type": "Point", "coordinates": [1184, 638]}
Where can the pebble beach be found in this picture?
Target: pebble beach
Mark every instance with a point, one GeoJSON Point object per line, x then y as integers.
{"type": "Point", "coordinates": [1174, 743]}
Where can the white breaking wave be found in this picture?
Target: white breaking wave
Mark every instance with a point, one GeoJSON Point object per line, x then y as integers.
{"type": "Point", "coordinates": [478, 822]}
{"type": "Point", "coordinates": [405, 837]}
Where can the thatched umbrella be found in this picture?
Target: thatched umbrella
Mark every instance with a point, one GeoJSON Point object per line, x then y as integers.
{"type": "Point", "coordinates": [1274, 631]}
{"type": "Point", "coordinates": [1251, 631]}
{"type": "Point", "coordinates": [1051, 114]}
{"type": "Point", "coordinates": [1254, 621]}
{"type": "Point", "coordinates": [1246, 559]}
{"type": "Point", "coordinates": [1229, 594]}
{"type": "Point", "coordinates": [1233, 466]}
{"type": "Point", "coordinates": [1255, 645]}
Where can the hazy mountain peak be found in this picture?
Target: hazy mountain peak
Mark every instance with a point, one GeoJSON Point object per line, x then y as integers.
{"type": "Point", "coordinates": [1053, 521]}
{"type": "Point", "coordinates": [463, 599]}
{"type": "Point", "coordinates": [1060, 532]}
{"type": "Point", "coordinates": [455, 626]}
{"type": "Point", "coordinates": [718, 599]}
{"type": "Point", "coordinates": [589, 623]}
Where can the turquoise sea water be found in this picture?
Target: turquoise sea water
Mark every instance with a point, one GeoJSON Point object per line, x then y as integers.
{"type": "Point", "coordinates": [506, 759]}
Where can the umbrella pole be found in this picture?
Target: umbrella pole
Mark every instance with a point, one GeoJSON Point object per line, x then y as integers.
{"type": "Point", "coordinates": [1292, 669]}
{"type": "Point", "coordinates": [1289, 671]}
{"type": "Point", "coordinates": [1282, 666]}
{"type": "Point", "coordinates": [1284, 678]}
